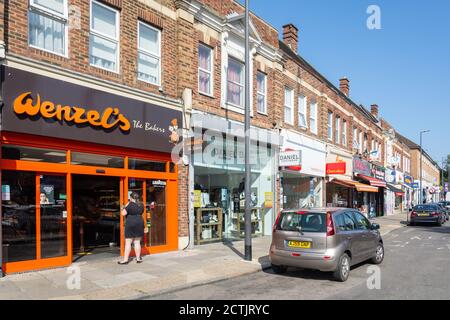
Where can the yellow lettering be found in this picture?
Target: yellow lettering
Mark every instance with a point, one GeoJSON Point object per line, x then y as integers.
{"type": "Point", "coordinates": [23, 104]}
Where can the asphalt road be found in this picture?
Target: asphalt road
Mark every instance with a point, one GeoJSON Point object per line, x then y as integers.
{"type": "Point", "coordinates": [416, 266]}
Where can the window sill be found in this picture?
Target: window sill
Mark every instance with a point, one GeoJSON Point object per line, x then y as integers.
{"type": "Point", "coordinates": [262, 113]}
{"type": "Point", "coordinates": [150, 83]}
{"type": "Point", "coordinates": [206, 95]}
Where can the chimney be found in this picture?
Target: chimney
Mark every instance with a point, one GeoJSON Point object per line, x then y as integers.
{"type": "Point", "coordinates": [290, 36]}
{"type": "Point", "coordinates": [344, 86]}
{"type": "Point", "coordinates": [374, 110]}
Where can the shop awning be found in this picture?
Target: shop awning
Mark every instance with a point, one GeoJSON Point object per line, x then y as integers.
{"type": "Point", "coordinates": [373, 181]}
{"type": "Point", "coordinates": [361, 187]}
{"type": "Point", "coordinates": [397, 191]}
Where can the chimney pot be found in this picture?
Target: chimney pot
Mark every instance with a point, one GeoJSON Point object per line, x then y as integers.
{"type": "Point", "coordinates": [374, 110]}
{"type": "Point", "coordinates": [290, 36]}
{"type": "Point", "coordinates": [344, 86]}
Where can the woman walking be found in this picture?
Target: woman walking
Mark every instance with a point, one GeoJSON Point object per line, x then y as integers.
{"type": "Point", "coordinates": [134, 228]}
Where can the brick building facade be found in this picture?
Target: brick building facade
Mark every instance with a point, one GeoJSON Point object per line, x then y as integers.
{"type": "Point", "coordinates": [187, 56]}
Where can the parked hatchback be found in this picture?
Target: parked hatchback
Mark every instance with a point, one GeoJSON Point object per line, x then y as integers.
{"type": "Point", "coordinates": [324, 239]}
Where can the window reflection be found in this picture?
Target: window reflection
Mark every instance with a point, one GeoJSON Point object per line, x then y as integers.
{"type": "Point", "coordinates": [19, 216]}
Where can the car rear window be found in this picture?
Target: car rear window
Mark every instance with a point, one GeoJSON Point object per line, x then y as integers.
{"type": "Point", "coordinates": [309, 222]}
{"type": "Point", "coordinates": [425, 208]}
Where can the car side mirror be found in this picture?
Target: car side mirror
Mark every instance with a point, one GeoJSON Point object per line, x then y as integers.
{"type": "Point", "coordinates": [375, 226]}
{"type": "Point", "coordinates": [410, 210]}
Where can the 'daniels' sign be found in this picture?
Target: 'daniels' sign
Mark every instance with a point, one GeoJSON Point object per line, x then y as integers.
{"type": "Point", "coordinates": [44, 106]}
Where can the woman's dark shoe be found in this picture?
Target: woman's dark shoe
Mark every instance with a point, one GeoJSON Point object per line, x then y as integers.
{"type": "Point", "coordinates": [139, 260]}
{"type": "Point", "coordinates": [123, 262]}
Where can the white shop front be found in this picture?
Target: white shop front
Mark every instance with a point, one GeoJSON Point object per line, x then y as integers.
{"type": "Point", "coordinates": [302, 185]}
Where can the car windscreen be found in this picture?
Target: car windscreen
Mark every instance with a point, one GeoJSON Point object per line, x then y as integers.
{"type": "Point", "coordinates": [426, 208]}
{"type": "Point", "coordinates": [307, 221]}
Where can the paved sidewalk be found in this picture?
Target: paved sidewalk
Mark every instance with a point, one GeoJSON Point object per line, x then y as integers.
{"type": "Point", "coordinates": [102, 278]}
{"type": "Point", "coordinates": [391, 223]}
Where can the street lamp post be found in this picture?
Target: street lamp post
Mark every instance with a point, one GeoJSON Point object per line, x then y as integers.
{"type": "Point", "coordinates": [247, 215]}
{"type": "Point", "coordinates": [421, 155]}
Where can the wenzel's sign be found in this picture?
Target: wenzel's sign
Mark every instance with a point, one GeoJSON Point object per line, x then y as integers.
{"type": "Point", "coordinates": [44, 106]}
{"type": "Point", "coordinates": [110, 118]}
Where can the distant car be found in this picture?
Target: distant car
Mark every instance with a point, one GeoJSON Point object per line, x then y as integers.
{"type": "Point", "coordinates": [324, 239]}
{"type": "Point", "coordinates": [427, 213]}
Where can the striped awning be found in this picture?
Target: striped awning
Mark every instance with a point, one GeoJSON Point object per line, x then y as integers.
{"type": "Point", "coordinates": [373, 181]}
{"type": "Point", "coordinates": [360, 187]}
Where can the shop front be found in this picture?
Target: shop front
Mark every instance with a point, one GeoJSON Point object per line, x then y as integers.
{"type": "Point", "coordinates": [339, 171]}
{"type": "Point", "coordinates": [218, 180]}
{"type": "Point", "coordinates": [302, 182]}
{"type": "Point", "coordinates": [370, 201]}
{"type": "Point", "coordinates": [71, 155]}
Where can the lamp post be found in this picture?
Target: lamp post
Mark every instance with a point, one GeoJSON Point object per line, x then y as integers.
{"type": "Point", "coordinates": [421, 155]}
{"type": "Point", "coordinates": [248, 215]}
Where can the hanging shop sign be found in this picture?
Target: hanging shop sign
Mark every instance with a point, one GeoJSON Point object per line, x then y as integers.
{"type": "Point", "coordinates": [391, 176]}
{"type": "Point", "coordinates": [44, 106]}
{"type": "Point", "coordinates": [361, 166]}
{"type": "Point", "coordinates": [336, 168]}
{"type": "Point", "coordinates": [290, 158]}
{"type": "Point", "coordinates": [408, 180]}
{"type": "Point", "coordinates": [378, 172]}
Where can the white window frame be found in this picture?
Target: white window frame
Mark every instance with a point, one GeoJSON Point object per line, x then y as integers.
{"type": "Point", "coordinates": [286, 89]}
{"type": "Point", "coordinates": [337, 129]}
{"type": "Point", "coordinates": [344, 132]}
{"type": "Point", "coordinates": [63, 18]}
{"type": "Point", "coordinates": [105, 37]}
{"type": "Point", "coordinates": [330, 126]}
{"type": "Point", "coordinates": [361, 146]}
{"type": "Point", "coordinates": [242, 108]}
{"type": "Point", "coordinates": [302, 110]}
{"type": "Point", "coordinates": [148, 53]}
{"type": "Point", "coordinates": [260, 93]}
{"type": "Point", "coordinates": [211, 73]}
{"type": "Point", "coordinates": [313, 117]}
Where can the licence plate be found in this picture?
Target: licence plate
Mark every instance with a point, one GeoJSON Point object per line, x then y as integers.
{"type": "Point", "coordinates": [300, 244]}
{"type": "Point", "coordinates": [423, 214]}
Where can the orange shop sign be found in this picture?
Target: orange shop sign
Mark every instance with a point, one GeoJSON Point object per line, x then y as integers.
{"type": "Point", "coordinates": [336, 168]}
{"type": "Point", "coordinates": [109, 119]}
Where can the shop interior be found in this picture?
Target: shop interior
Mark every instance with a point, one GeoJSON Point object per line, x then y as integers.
{"type": "Point", "coordinates": [224, 189]}
{"type": "Point", "coordinates": [96, 214]}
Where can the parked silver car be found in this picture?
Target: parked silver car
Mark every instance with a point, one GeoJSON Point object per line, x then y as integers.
{"type": "Point", "coordinates": [325, 239]}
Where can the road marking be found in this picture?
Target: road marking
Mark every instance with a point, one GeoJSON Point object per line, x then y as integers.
{"type": "Point", "coordinates": [440, 248]}
{"type": "Point", "coordinates": [408, 231]}
{"type": "Point", "coordinates": [416, 238]}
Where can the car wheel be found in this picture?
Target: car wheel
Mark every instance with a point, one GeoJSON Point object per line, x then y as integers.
{"type": "Point", "coordinates": [379, 254]}
{"type": "Point", "coordinates": [279, 269]}
{"type": "Point", "coordinates": [342, 272]}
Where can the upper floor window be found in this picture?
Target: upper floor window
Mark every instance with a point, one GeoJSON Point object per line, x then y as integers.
{"type": "Point", "coordinates": [235, 82]}
{"type": "Point", "coordinates": [337, 135]}
{"type": "Point", "coordinates": [149, 54]}
{"type": "Point", "coordinates": [205, 70]}
{"type": "Point", "coordinates": [104, 37]}
{"type": "Point", "coordinates": [48, 25]}
{"type": "Point", "coordinates": [361, 146]}
{"type": "Point", "coordinates": [302, 112]}
{"type": "Point", "coordinates": [289, 106]}
{"type": "Point", "coordinates": [344, 133]}
{"type": "Point", "coordinates": [355, 138]}
{"type": "Point", "coordinates": [261, 84]}
{"type": "Point", "coordinates": [330, 126]}
{"type": "Point", "coordinates": [313, 117]}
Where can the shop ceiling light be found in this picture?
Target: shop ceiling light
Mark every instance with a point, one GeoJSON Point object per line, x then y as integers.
{"type": "Point", "coordinates": [31, 159]}
{"type": "Point", "coordinates": [55, 154]}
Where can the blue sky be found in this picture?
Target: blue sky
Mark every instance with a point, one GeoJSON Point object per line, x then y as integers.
{"type": "Point", "coordinates": [404, 67]}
